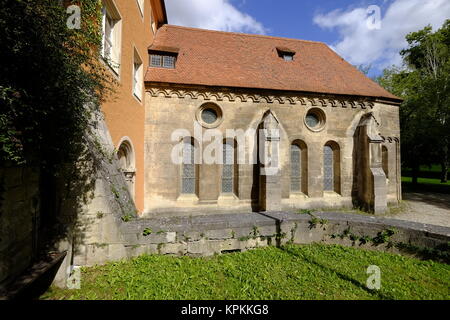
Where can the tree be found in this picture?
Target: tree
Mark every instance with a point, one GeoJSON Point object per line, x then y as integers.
{"type": "Point", "coordinates": [429, 55]}
{"type": "Point", "coordinates": [51, 81]}
{"type": "Point", "coordinates": [424, 86]}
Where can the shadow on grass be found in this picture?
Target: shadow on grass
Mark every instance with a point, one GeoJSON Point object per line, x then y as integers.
{"type": "Point", "coordinates": [342, 276]}
{"type": "Point", "coordinates": [425, 187]}
{"type": "Point", "coordinates": [441, 253]}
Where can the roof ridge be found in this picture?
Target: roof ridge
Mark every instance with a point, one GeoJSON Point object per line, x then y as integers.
{"type": "Point", "coordinates": [240, 34]}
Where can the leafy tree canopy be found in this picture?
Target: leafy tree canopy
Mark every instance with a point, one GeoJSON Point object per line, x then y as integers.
{"type": "Point", "coordinates": [51, 80]}
{"type": "Point", "coordinates": [424, 84]}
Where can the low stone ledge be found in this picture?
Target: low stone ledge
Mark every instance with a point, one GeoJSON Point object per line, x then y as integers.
{"type": "Point", "coordinates": [209, 235]}
{"type": "Point", "coordinates": [410, 233]}
{"type": "Point", "coordinates": [197, 223]}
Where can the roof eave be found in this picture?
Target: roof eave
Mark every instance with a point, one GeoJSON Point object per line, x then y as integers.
{"type": "Point", "coordinates": [387, 100]}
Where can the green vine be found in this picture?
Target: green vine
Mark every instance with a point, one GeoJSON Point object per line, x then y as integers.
{"type": "Point", "coordinates": [147, 232]}
{"type": "Point", "coordinates": [382, 237]}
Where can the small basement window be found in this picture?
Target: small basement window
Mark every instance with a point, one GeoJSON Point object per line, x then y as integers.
{"type": "Point", "coordinates": [163, 60]}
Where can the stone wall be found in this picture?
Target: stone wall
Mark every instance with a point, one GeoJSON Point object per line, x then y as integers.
{"type": "Point", "coordinates": [19, 219]}
{"type": "Point", "coordinates": [91, 214]}
{"type": "Point", "coordinates": [223, 233]}
{"type": "Point", "coordinates": [171, 108]}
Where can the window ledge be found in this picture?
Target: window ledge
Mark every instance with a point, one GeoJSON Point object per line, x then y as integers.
{"type": "Point", "coordinates": [331, 194]}
{"type": "Point", "coordinates": [188, 198]}
{"type": "Point", "coordinates": [227, 198]}
{"type": "Point", "coordinates": [159, 67]}
{"type": "Point", "coordinates": [116, 73]}
{"type": "Point", "coordinates": [298, 195]}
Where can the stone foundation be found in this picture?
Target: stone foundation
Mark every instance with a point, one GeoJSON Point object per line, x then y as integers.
{"type": "Point", "coordinates": [208, 235]}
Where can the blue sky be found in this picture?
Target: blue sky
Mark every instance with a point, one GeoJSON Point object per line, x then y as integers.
{"type": "Point", "coordinates": [342, 24]}
{"type": "Point", "coordinates": [294, 19]}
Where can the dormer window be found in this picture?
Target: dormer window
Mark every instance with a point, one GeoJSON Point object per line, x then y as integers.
{"type": "Point", "coordinates": [286, 54]}
{"type": "Point", "coordinates": [163, 60]}
{"type": "Point", "coordinates": [288, 57]}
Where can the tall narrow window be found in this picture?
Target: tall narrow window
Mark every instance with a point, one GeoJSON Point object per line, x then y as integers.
{"type": "Point", "coordinates": [137, 76]}
{"type": "Point", "coordinates": [125, 155]}
{"type": "Point", "coordinates": [228, 168]}
{"type": "Point", "coordinates": [331, 167]}
{"type": "Point", "coordinates": [111, 35]}
{"type": "Point", "coordinates": [188, 184]}
{"type": "Point", "coordinates": [385, 161]}
{"type": "Point", "coordinates": [296, 168]}
{"type": "Point", "coordinates": [328, 170]}
{"type": "Point", "coordinates": [107, 34]}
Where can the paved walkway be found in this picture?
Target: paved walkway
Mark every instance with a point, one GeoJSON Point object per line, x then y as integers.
{"type": "Point", "coordinates": [430, 208]}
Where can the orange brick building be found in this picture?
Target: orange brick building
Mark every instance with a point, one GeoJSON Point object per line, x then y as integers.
{"type": "Point", "coordinates": [129, 27]}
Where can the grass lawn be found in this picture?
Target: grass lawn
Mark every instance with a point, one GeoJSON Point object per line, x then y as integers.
{"type": "Point", "coordinates": [426, 181]}
{"type": "Point", "coordinates": [293, 272]}
{"type": "Point", "coordinates": [429, 179]}
{"type": "Point", "coordinates": [425, 184]}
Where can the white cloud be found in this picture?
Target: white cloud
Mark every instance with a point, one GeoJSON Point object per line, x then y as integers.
{"type": "Point", "coordinates": [211, 14]}
{"type": "Point", "coordinates": [380, 47]}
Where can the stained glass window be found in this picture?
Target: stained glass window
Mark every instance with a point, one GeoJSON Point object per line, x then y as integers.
{"type": "Point", "coordinates": [228, 167]}
{"type": "Point", "coordinates": [188, 174]}
{"type": "Point", "coordinates": [328, 171]}
{"type": "Point", "coordinates": [312, 120]}
{"type": "Point", "coordinates": [209, 116]}
{"type": "Point", "coordinates": [295, 168]}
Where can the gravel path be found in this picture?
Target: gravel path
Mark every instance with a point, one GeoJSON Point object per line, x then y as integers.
{"type": "Point", "coordinates": [430, 208]}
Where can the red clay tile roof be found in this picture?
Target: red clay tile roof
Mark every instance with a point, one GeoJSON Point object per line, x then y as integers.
{"type": "Point", "coordinates": [226, 59]}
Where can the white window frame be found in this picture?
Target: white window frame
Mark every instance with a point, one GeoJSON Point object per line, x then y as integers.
{"type": "Point", "coordinates": [163, 59]}
{"type": "Point", "coordinates": [138, 75]}
{"type": "Point", "coordinates": [141, 4]}
{"type": "Point", "coordinates": [110, 13]}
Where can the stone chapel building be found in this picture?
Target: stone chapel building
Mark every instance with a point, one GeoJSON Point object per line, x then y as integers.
{"type": "Point", "coordinates": [333, 133]}
{"type": "Point", "coordinates": [288, 124]}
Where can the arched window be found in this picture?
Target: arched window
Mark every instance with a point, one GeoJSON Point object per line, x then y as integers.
{"type": "Point", "coordinates": [385, 161]}
{"type": "Point", "coordinates": [189, 171]}
{"type": "Point", "coordinates": [125, 155]}
{"type": "Point", "coordinates": [299, 167]}
{"type": "Point", "coordinates": [331, 167]}
{"type": "Point", "coordinates": [296, 165]}
{"type": "Point", "coordinates": [228, 167]}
